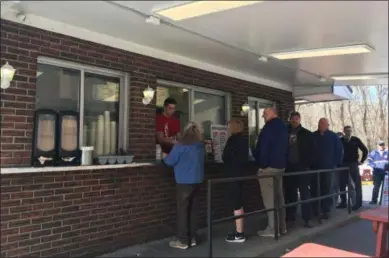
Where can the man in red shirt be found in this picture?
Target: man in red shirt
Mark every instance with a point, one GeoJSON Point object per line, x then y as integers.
{"type": "Point", "coordinates": [167, 127]}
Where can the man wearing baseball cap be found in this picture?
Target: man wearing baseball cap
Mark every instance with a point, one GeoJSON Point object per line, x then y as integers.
{"type": "Point", "coordinates": [378, 160]}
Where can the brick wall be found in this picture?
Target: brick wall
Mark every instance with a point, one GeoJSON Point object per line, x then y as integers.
{"type": "Point", "coordinates": [94, 212]}
{"type": "Point", "coordinates": [21, 45]}
{"type": "Point", "coordinates": [90, 212]}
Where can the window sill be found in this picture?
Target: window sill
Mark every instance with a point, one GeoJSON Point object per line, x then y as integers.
{"type": "Point", "coordinates": [19, 170]}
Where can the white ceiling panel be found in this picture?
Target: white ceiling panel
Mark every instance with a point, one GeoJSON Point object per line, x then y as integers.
{"type": "Point", "coordinates": [235, 38]}
{"type": "Point", "coordinates": [277, 26]}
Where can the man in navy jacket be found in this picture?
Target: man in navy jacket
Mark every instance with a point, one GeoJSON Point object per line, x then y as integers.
{"type": "Point", "coordinates": [271, 156]}
{"type": "Point", "coordinates": [329, 156]}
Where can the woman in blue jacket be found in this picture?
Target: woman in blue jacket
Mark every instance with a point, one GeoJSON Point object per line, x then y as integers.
{"type": "Point", "coordinates": [187, 158]}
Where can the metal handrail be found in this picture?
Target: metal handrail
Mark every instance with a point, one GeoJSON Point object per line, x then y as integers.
{"type": "Point", "coordinates": [277, 207]}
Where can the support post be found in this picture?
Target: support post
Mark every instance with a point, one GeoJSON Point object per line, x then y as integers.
{"type": "Point", "coordinates": [209, 218]}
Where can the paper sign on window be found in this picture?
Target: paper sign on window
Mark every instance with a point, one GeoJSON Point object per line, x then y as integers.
{"type": "Point", "coordinates": [219, 134]}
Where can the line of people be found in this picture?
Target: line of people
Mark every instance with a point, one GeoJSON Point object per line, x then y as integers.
{"type": "Point", "coordinates": [292, 148]}
{"type": "Point", "coordinates": [280, 148]}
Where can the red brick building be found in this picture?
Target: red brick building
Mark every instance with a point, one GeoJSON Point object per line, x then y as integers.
{"type": "Point", "coordinates": [75, 211]}
{"type": "Point", "coordinates": [71, 211]}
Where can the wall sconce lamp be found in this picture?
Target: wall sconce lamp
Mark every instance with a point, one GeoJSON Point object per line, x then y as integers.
{"type": "Point", "coordinates": [7, 74]}
{"type": "Point", "coordinates": [245, 109]}
{"type": "Point", "coordinates": [148, 95]}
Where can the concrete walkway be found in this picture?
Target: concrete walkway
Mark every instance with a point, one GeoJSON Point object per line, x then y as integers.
{"type": "Point", "coordinates": [356, 236]}
{"type": "Point", "coordinates": [254, 246]}
{"type": "Point", "coordinates": [343, 231]}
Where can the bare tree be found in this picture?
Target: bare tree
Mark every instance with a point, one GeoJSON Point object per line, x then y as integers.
{"type": "Point", "coordinates": [381, 112]}
{"type": "Point", "coordinates": [365, 117]}
{"type": "Point", "coordinates": [351, 115]}
{"type": "Point", "coordinates": [325, 110]}
{"type": "Point", "coordinates": [366, 112]}
{"type": "Point", "coordinates": [330, 114]}
{"type": "Point", "coordinates": [342, 122]}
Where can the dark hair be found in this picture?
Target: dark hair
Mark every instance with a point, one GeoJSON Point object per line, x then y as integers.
{"type": "Point", "coordinates": [169, 101]}
{"type": "Point", "coordinates": [294, 113]}
{"type": "Point", "coordinates": [347, 127]}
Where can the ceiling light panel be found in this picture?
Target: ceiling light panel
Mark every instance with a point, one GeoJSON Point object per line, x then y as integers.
{"type": "Point", "coordinates": [359, 77]}
{"type": "Point", "coordinates": [199, 8]}
{"type": "Point", "coordinates": [319, 52]}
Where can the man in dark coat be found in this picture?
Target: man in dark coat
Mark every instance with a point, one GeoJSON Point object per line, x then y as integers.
{"type": "Point", "coordinates": [351, 145]}
{"type": "Point", "coordinates": [301, 157]}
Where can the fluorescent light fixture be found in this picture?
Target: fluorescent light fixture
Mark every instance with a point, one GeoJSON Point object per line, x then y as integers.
{"type": "Point", "coordinates": [319, 52]}
{"type": "Point", "coordinates": [262, 58]}
{"type": "Point", "coordinates": [198, 101]}
{"type": "Point", "coordinates": [199, 8]}
{"type": "Point", "coordinates": [300, 101]}
{"type": "Point", "coordinates": [153, 20]}
{"type": "Point", "coordinates": [360, 77]}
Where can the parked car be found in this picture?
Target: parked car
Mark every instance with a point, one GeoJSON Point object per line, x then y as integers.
{"type": "Point", "coordinates": [366, 173]}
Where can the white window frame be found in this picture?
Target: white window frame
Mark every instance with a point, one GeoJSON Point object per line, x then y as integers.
{"type": "Point", "coordinates": [123, 94]}
{"type": "Point", "coordinates": [192, 89]}
{"type": "Point", "coordinates": [258, 102]}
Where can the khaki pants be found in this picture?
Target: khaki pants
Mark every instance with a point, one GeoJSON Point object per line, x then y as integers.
{"type": "Point", "coordinates": [266, 185]}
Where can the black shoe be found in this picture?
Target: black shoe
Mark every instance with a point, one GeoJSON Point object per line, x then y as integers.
{"type": "Point", "coordinates": [341, 206]}
{"type": "Point", "coordinates": [325, 216]}
{"type": "Point", "coordinates": [236, 238]}
{"type": "Point", "coordinates": [290, 223]}
{"type": "Point", "coordinates": [373, 202]}
{"type": "Point", "coordinates": [290, 219]}
{"type": "Point", "coordinates": [308, 224]}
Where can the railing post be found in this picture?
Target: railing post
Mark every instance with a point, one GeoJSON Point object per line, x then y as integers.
{"type": "Point", "coordinates": [276, 206]}
{"type": "Point", "coordinates": [348, 192]}
{"type": "Point", "coordinates": [318, 195]}
{"type": "Point", "coordinates": [209, 218]}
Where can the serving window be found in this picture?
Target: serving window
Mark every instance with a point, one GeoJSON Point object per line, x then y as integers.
{"type": "Point", "coordinates": [201, 105]}
{"type": "Point", "coordinates": [255, 119]}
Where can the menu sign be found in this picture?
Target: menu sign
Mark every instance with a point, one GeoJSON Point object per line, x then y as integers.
{"type": "Point", "coordinates": [219, 135]}
{"type": "Point", "coordinates": [385, 197]}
